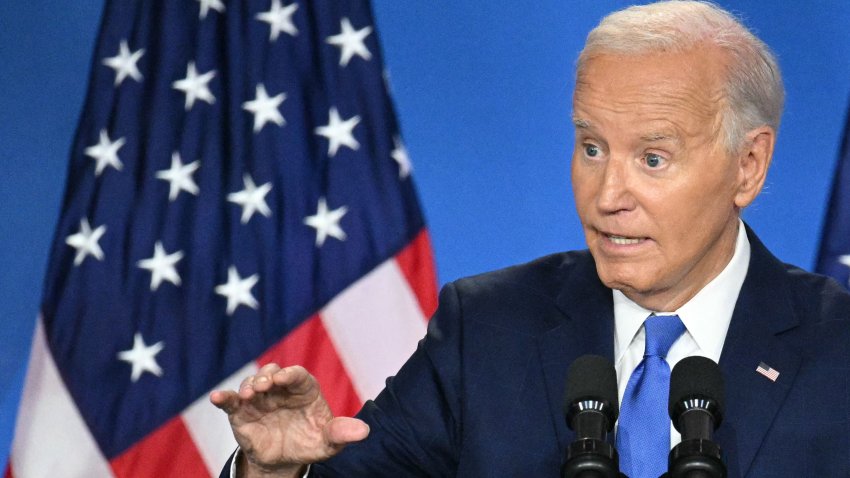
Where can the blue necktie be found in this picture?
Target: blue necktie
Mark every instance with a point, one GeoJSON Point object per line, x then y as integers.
{"type": "Point", "coordinates": [643, 433]}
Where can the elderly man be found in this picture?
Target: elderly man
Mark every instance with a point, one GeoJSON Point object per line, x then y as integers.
{"type": "Point", "coordinates": [676, 109]}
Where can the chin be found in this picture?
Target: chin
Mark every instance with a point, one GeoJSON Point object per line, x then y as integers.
{"type": "Point", "coordinates": [625, 281]}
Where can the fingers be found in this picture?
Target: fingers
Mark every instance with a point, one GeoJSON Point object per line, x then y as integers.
{"type": "Point", "coordinates": [342, 431]}
{"type": "Point", "coordinates": [259, 382]}
{"type": "Point", "coordinates": [294, 380]}
{"type": "Point", "coordinates": [226, 400]}
{"type": "Point", "coordinates": [279, 416]}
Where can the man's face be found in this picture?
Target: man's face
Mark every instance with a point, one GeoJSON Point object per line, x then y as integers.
{"type": "Point", "coordinates": [654, 186]}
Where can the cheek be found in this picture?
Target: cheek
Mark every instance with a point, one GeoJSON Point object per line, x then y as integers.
{"type": "Point", "coordinates": [583, 190]}
{"type": "Point", "coordinates": [703, 207]}
{"type": "Point", "coordinates": [574, 172]}
{"type": "Point", "coordinates": [688, 223]}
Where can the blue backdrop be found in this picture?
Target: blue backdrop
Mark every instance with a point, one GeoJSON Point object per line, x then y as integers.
{"type": "Point", "coordinates": [482, 90]}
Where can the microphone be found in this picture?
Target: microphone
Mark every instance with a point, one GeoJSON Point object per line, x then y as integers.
{"type": "Point", "coordinates": [591, 408]}
{"type": "Point", "coordinates": [696, 408]}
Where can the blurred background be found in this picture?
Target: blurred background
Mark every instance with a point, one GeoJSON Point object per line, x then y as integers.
{"type": "Point", "coordinates": [482, 91]}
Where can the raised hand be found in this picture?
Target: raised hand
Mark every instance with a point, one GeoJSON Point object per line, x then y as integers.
{"type": "Point", "coordinates": [282, 423]}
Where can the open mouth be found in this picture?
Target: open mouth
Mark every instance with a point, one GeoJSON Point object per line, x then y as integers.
{"type": "Point", "coordinates": [624, 241]}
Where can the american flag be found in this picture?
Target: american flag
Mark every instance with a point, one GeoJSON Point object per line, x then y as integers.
{"type": "Point", "coordinates": [238, 193]}
{"type": "Point", "coordinates": [834, 254]}
{"type": "Point", "coordinates": [771, 373]}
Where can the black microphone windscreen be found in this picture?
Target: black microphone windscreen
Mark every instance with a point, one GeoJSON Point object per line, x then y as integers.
{"type": "Point", "coordinates": [592, 377]}
{"type": "Point", "coordinates": [696, 377]}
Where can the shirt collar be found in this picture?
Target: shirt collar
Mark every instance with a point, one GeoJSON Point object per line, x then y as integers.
{"type": "Point", "coordinates": [706, 316]}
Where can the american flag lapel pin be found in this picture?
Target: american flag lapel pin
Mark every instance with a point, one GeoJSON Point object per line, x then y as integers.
{"type": "Point", "coordinates": [768, 371]}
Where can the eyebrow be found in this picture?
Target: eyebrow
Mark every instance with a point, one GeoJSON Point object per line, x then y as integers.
{"type": "Point", "coordinates": [651, 137]}
{"type": "Point", "coordinates": [659, 136]}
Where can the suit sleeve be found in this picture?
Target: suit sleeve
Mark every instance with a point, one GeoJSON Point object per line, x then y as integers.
{"type": "Point", "coordinates": [229, 468]}
{"type": "Point", "coordinates": [415, 422]}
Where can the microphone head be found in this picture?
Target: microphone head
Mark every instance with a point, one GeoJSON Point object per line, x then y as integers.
{"type": "Point", "coordinates": [696, 382]}
{"type": "Point", "coordinates": [592, 378]}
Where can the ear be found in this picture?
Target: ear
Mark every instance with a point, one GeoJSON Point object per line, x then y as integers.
{"type": "Point", "coordinates": [753, 161]}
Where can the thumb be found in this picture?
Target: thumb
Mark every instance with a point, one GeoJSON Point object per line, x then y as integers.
{"type": "Point", "coordinates": [341, 431]}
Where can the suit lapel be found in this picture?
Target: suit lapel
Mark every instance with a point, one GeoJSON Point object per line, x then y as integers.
{"type": "Point", "coordinates": [586, 327]}
{"type": "Point", "coordinates": [763, 312]}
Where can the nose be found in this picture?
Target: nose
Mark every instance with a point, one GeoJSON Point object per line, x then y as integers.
{"type": "Point", "coordinates": [615, 191]}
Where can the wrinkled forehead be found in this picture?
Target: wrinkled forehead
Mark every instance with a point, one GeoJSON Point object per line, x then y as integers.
{"type": "Point", "coordinates": [703, 69]}
{"type": "Point", "coordinates": [685, 88]}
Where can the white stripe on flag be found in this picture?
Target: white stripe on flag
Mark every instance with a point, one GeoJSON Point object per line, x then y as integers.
{"type": "Point", "coordinates": [51, 438]}
{"type": "Point", "coordinates": [375, 325]}
{"type": "Point", "coordinates": [209, 427]}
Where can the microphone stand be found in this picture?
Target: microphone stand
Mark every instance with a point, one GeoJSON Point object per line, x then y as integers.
{"type": "Point", "coordinates": [591, 408]}
{"type": "Point", "coordinates": [696, 458]}
{"type": "Point", "coordinates": [696, 408]}
{"type": "Point", "coordinates": [589, 457]}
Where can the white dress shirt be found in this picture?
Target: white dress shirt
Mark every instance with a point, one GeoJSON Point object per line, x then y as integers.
{"type": "Point", "coordinates": [706, 317]}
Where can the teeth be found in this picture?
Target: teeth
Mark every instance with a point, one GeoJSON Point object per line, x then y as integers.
{"type": "Point", "coordinates": [623, 241]}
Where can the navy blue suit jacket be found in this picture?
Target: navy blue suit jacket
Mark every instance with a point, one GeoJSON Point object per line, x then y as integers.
{"type": "Point", "coordinates": [482, 394]}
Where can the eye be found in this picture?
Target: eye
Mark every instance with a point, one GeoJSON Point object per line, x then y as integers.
{"type": "Point", "coordinates": [591, 150]}
{"type": "Point", "coordinates": [653, 160]}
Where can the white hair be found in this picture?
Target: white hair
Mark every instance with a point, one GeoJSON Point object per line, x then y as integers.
{"type": "Point", "coordinates": [753, 83]}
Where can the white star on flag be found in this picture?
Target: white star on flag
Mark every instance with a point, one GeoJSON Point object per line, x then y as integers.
{"type": "Point", "coordinates": [279, 19]}
{"type": "Point", "coordinates": [339, 132]}
{"type": "Point", "coordinates": [142, 357]}
{"type": "Point", "coordinates": [252, 199]}
{"type": "Point", "coordinates": [350, 42]}
{"type": "Point", "coordinates": [399, 154]}
{"type": "Point", "coordinates": [105, 152]}
{"type": "Point", "coordinates": [179, 176]}
{"type": "Point", "coordinates": [161, 266]}
{"type": "Point", "coordinates": [195, 86]}
{"type": "Point", "coordinates": [207, 5]}
{"type": "Point", "coordinates": [264, 108]}
{"type": "Point", "coordinates": [238, 290]}
{"type": "Point", "coordinates": [326, 222]}
{"type": "Point", "coordinates": [86, 242]}
{"type": "Point", "coordinates": [124, 63]}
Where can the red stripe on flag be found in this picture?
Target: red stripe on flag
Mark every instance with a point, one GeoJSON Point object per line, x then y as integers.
{"type": "Point", "coordinates": [310, 346]}
{"type": "Point", "coordinates": [168, 451]}
{"type": "Point", "coordinates": [8, 473]}
{"type": "Point", "coordinates": [416, 262]}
